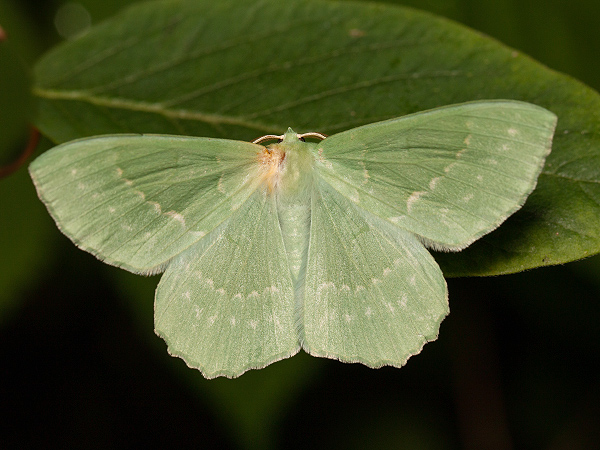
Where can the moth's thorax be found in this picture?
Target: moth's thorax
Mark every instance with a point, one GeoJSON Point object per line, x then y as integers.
{"type": "Point", "coordinates": [270, 161]}
{"type": "Point", "coordinates": [287, 166]}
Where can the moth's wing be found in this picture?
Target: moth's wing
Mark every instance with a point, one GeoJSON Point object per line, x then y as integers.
{"type": "Point", "coordinates": [450, 175]}
{"type": "Point", "coordinates": [137, 201]}
{"type": "Point", "coordinates": [226, 305]}
{"type": "Point", "coordinates": [373, 293]}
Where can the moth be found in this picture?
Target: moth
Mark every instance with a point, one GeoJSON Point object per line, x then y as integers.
{"type": "Point", "coordinates": [320, 246]}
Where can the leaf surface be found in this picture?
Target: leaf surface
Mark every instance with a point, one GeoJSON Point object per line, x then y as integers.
{"type": "Point", "coordinates": [240, 69]}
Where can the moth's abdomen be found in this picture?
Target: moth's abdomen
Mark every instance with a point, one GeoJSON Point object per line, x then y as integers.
{"type": "Point", "coordinates": [294, 220]}
{"type": "Point", "coordinates": [288, 171]}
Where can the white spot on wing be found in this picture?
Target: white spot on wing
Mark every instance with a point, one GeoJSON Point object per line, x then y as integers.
{"type": "Point", "coordinates": [368, 311]}
{"type": "Point", "coordinates": [449, 167]}
{"type": "Point", "coordinates": [277, 323]}
{"type": "Point", "coordinates": [468, 140]}
{"type": "Point", "coordinates": [253, 324]}
{"type": "Point", "coordinates": [220, 186]}
{"type": "Point", "coordinates": [513, 131]}
{"type": "Point", "coordinates": [433, 182]}
{"type": "Point", "coordinates": [403, 300]}
{"type": "Point", "coordinates": [272, 289]}
{"type": "Point", "coordinates": [324, 286]}
{"type": "Point", "coordinates": [366, 175]}
{"type": "Point", "coordinates": [156, 207]}
{"type": "Point", "coordinates": [412, 199]}
{"type": "Point", "coordinates": [176, 216]}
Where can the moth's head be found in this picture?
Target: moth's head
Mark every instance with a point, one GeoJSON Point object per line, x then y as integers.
{"type": "Point", "coordinates": [289, 154]}
{"type": "Point", "coordinates": [290, 137]}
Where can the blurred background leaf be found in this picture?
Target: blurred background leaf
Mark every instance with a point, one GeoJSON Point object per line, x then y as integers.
{"type": "Point", "coordinates": [514, 365]}
{"type": "Point", "coordinates": [24, 226]}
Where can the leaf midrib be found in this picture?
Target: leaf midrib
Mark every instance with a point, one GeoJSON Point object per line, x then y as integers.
{"type": "Point", "coordinates": [155, 108]}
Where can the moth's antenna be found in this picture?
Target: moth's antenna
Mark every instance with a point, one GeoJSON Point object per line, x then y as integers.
{"type": "Point", "coordinates": [267, 137]}
{"type": "Point", "coordinates": [312, 134]}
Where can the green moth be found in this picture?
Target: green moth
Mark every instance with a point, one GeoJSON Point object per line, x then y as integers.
{"type": "Point", "coordinates": [315, 245]}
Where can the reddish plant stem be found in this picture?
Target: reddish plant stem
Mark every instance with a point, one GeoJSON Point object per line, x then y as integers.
{"type": "Point", "coordinates": [34, 139]}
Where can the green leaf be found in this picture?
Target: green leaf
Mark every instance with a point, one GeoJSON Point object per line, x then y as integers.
{"type": "Point", "coordinates": [239, 69]}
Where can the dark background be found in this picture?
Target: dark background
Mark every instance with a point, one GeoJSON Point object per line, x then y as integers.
{"type": "Point", "coordinates": [514, 366]}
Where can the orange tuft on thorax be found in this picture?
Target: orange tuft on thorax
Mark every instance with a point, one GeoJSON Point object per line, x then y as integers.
{"type": "Point", "coordinates": [270, 160]}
